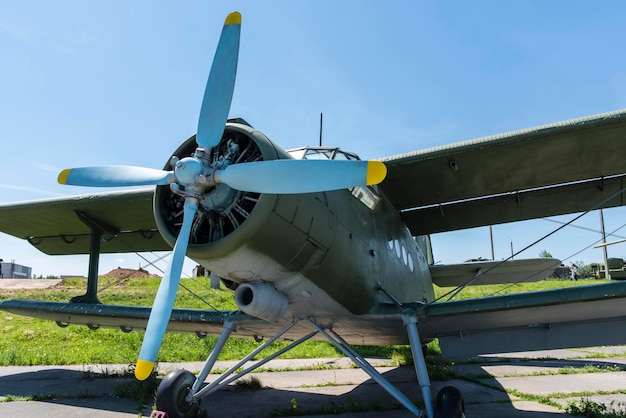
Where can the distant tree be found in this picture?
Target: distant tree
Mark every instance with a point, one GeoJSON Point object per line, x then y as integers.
{"type": "Point", "coordinates": [545, 254]}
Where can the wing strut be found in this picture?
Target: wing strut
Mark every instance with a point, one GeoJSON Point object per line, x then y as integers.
{"type": "Point", "coordinates": [98, 229]}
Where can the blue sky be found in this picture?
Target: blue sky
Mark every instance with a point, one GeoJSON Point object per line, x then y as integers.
{"type": "Point", "coordinates": [117, 82]}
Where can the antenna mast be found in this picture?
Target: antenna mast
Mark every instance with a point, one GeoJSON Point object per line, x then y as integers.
{"type": "Point", "coordinates": [321, 123]}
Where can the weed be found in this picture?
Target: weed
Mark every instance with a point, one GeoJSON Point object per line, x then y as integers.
{"type": "Point", "coordinates": [333, 408]}
{"type": "Point", "coordinates": [591, 368]}
{"type": "Point", "coordinates": [248, 384]}
{"type": "Point", "coordinates": [588, 408]}
{"type": "Point", "coordinates": [142, 391]}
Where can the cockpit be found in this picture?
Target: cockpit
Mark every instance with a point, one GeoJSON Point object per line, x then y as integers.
{"type": "Point", "coordinates": [322, 153]}
{"type": "Point", "coordinates": [366, 195]}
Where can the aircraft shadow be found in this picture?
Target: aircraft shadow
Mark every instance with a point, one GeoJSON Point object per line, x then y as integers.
{"type": "Point", "coordinates": [483, 395]}
{"type": "Point", "coordinates": [332, 399]}
{"type": "Point", "coordinates": [68, 387]}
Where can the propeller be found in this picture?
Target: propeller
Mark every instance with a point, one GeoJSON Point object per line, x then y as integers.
{"type": "Point", "coordinates": [193, 176]}
{"type": "Point", "coordinates": [274, 176]}
{"type": "Point", "coordinates": [164, 299]}
{"type": "Point", "coordinates": [114, 175]}
{"type": "Point", "coordinates": [301, 176]}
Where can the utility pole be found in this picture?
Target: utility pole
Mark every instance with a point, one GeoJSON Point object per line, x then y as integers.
{"type": "Point", "coordinates": [607, 274]}
{"type": "Point", "coordinates": [493, 257]}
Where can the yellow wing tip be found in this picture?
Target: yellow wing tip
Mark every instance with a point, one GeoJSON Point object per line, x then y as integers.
{"type": "Point", "coordinates": [376, 172]}
{"type": "Point", "coordinates": [62, 179]}
{"type": "Point", "coordinates": [143, 369]}
{"type": "Point", "coordinates": [233, 19]}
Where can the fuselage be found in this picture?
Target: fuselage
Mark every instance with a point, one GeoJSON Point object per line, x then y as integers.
{"type": "Point", "coordinates": [333, 253]}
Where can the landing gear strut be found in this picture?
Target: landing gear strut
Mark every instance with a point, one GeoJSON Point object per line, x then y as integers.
{"type": "Point", "coordinates": [180, 393]}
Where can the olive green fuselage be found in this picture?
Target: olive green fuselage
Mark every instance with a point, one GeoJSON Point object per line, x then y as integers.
{"type": "Point", "coordinates": [327, 252]}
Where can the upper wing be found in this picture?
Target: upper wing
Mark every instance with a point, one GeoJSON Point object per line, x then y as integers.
{"type": "Point", "coordinates": [567, 167]}
{"type": "Point", "coordinates": [54, 227]}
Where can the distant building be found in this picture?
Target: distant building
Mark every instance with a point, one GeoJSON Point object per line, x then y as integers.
{"type": "Point", "coordinates": [16, 271]}
{"type": "Point", "coordinates": [200, 271]}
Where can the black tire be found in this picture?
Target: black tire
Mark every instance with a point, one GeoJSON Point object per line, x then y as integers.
{"type": "Point", "coordinates": [172, 393]}
{"type": "Point", "coordinates": [449, 403]}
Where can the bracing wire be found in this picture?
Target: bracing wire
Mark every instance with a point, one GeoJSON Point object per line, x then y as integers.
{"type": "Point", "coordinates": [454, 292]}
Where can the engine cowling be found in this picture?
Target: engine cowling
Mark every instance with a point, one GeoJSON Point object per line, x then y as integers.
{"type": "Point", "coordinates": [222, 211]}
{"type": "Point", "coordinates": [261, 301]}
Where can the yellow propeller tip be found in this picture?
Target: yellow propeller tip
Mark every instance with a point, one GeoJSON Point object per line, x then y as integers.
{"type": "Point", "coordinates": [233, 19]}
{"type": "Point", "coordinates": [376, 172]}
{"type": "Point", "coordinates": [143, 369]}
{"type": "Point", "coordinates": [62, 179]}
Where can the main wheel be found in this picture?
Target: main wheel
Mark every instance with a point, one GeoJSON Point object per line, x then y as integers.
{"type": "Point", "coordinates": [449, 403]}
{"type": "Point", "coordinates": [171, 396]}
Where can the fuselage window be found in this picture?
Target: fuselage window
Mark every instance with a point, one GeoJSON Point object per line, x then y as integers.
{"type": "Point", "coordinates": [366, 196]}
{"type": "Point", "coordinates": [403, 254]}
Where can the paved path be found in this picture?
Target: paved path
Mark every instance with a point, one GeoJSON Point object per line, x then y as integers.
{"type": "Point", "coordinates": [79, 391]}
{"type": "Point", "coordinates": [12, 284]}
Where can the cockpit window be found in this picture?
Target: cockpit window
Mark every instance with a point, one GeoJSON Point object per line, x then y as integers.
{"type": "Point", "coordinates": [318, 154]}
{"type": "Point", "coordinates": [340, 155]}
{"type": "Point", "coordinates": [366, 195]}
{"type": "Point", "coordinates": [322, 153]}
{"type": "Point", "coordinates": [297, 154]}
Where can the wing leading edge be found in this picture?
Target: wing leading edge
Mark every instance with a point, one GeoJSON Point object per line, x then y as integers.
{"type": "Point", "coordinates": [567, 167]}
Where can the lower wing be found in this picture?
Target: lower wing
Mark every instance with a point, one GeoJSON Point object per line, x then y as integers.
{"type": "Point", "coordinates": [561, 318]}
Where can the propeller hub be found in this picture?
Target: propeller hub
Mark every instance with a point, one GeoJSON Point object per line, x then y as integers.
{"type": "Point", "coordinates": [188, 170]}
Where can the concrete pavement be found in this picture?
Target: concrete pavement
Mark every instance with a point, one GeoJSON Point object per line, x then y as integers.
{"type": "Point", "coordinates": [333, 386]}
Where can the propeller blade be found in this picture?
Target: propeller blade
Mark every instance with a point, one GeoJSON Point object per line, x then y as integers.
{"type": "Point", "coordinates": [301, 176]}
{"type": "Point", "coordinates": [164, 300]}
{"type": "Point", "coordinates": [114, 175]}
{"type": "Point", "coordinates": [219, 89]}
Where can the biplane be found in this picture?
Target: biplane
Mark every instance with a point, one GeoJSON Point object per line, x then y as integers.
{"type": "Point", "coordinates": [316, 243]}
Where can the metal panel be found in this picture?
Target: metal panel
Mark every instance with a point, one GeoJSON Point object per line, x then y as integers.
{"type": "Point", "coordinates": [569, 151]}
{"type": "Point", "coordinates": [546, 337]}
{"type": "Point", "coordinates": [561, 318]}
{"type": "Point", "coordinates": [52, 226]}
{"type": "Point", "coordinates": [532, 204]}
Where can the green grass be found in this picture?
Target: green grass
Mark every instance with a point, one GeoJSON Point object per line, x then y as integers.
{"type": "Point", "coordinates": [29, 341]}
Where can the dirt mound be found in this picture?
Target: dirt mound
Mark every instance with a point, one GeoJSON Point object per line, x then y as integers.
{"type": "Point", "coordinates": [121, 273]}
